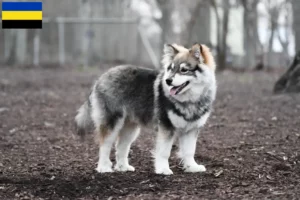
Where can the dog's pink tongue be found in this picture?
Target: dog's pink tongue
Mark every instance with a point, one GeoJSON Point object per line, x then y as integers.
{"type": "Point", "coordinates": [173, 91]}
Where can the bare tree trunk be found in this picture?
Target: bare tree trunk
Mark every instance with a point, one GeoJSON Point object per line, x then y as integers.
{"type": "Point", "coordinates": [285, 41]}
{"type": "Point", "coordinates": [250, 32]}
{"type": "Point", "coordinates": [191, 23]}
{"type": "Point", "coordinates": [218, 20]}
{"type": "Point", "coordinates": [15, 46]}
{"type": "Point", "coordinates": [296, 16]}
{"type": "Point", "coordinates": [223, 53]}
{"type": "Point", "coordinates": [274, 13]}
{"type": "Point", "coordinates": [284, 44]}
{"type": "Point", "coordinates": [10, 47]}
{"type": "Point", "coordinates": [222, 32]}
{"type": "Point", "coordinates": [270, 45]}
{"type": "Point", "coordinates": [190, 15]}
{"type": "Point", "coordinates": [271, 38]}
{"type": "Point", "coordinates": [166, 7]}
{"type": "Point", "coordinates": [199, 25]}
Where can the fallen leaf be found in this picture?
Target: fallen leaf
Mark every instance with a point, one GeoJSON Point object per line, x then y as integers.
{"type": "Point", "coordinates": [49, 125]}
{"type": "Point", "coordinates": [218, 173]}
{"type": "Point", "coordinates": [3, 109]}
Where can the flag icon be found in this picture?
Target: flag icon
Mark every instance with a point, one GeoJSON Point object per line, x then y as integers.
{"type": "Point", "coordinates": [22, 15]}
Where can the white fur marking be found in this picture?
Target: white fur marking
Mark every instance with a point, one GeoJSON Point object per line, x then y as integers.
{"type": "Point", "coordinates": [127, 136]}
{"type": "Point", "coordinates": [162, 154]}
{"type": "Point", "coordinates": [180, 79]}
{"type": "Point", "coordinates": [104, 163]}
{"type": "Point", "coordinates": [181, 123]}
{"type": "Point", "coordinates": [187, 142]}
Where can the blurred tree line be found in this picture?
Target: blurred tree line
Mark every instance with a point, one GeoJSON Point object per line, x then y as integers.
{"type": "Point", "coordinates": [211, 22]}
{"type": "Point", "coordinates": [258, 49]}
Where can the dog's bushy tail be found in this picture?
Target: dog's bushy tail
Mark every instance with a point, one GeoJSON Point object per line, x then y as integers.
{"type": "Point", "coordinates": [83, 120]}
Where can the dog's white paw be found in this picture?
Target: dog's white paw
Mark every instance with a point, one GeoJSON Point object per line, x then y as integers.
{"type": "Point", "coordinates": [124, 168]}
{"type": "Point", "coordinates": [195, 168]}
{"type": "Point", "coordinates": [104, 169]}
{"type": "Point", "coordinates": [164, 171]}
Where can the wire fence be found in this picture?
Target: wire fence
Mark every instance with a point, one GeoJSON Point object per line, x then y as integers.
{"type": "Point", "coordinates": [85, 41]}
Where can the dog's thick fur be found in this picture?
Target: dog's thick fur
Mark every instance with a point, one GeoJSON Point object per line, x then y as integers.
{"type": "Point", "coordinates": [176, 100]}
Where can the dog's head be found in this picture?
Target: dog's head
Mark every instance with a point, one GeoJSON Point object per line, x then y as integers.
{"type": "Point", "coordinates": [187, 71]}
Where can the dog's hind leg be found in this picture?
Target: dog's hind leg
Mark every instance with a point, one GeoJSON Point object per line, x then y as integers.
{"type": "Point", "coordinates": [127, 136]}
{"type": "Point", "coordinates": [107, 138]}
{"type": "Point", "coordinates": [164, 142]}
{"type": "Point", "coordinates": [107, 124]}
{"type": "Point", "coordinates": [187, 143]}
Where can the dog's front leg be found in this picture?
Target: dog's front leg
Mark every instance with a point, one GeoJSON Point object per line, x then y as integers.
{"type": "Point", "coordinates": [187, 143]}
{"type": "Point", "coordinates": [164, 142]}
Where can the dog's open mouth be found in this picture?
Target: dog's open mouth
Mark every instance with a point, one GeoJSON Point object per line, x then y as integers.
{"type": "Point", "coordinates": [176, 89]}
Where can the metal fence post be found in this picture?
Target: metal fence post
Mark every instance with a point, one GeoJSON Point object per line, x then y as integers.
{"type": "Point", "coordinates": [61, 41]}
{"type": "Point", "coordinates": [36, 48]}
{"type": "Point", "coordinates": [149, 48]}
{"type": "Point", "coordinates": [61, 22]}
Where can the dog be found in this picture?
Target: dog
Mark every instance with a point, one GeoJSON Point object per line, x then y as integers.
{"type": "Point", "coordinates": [177, 100]}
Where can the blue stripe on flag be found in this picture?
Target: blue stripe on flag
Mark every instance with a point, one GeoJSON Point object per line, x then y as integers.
{"type": "Point", "coordinates": [22, 6]}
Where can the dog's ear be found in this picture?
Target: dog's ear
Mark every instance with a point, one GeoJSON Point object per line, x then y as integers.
{"type": "Point", "coordinates": [195, 51]}
{"type": "Point", "coordinates": [170, 52]}
{"type": "Point", "coordinates": [202, 53]}
{"type": "Point", "coordinates": [207, 56]}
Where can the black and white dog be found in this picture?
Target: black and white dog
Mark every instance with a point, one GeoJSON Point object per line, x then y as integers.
{"type": "Point", "coordinates": [176, 100]}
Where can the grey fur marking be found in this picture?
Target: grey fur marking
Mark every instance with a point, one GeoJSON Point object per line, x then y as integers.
{"type": "Point", "coordinates": [131, 91]}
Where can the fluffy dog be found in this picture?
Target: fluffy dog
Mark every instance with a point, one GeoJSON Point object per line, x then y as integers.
{"type": "Point", "coordinates": [177, 101]}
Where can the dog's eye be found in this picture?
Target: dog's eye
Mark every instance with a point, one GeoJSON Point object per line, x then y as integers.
{"type": "Point", "coordinates": [183, 70]}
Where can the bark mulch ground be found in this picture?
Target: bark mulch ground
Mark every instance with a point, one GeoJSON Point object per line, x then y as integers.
{"type": "Point", "coordinates": [250, 146]}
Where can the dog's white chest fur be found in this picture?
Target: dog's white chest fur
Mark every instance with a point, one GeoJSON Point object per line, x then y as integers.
{"type": "Point", "coordinates": [180, 123]}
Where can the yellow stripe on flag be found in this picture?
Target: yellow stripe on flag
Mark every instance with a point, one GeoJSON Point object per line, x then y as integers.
{"type": "Point", "coordinates": [22, 15]}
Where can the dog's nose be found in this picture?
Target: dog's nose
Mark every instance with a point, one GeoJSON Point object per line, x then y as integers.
{"type": "Point", "coordinates": [169, 81]}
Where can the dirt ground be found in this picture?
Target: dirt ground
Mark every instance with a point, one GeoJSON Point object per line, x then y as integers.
{"type": "Point", "coordinates": [250, 146]}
